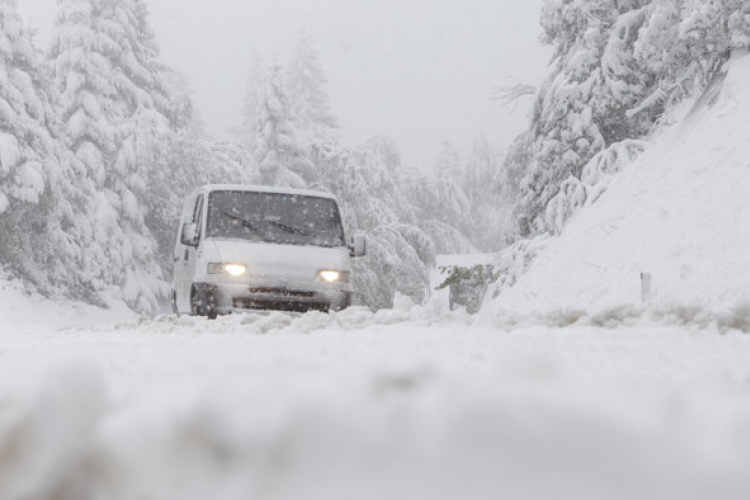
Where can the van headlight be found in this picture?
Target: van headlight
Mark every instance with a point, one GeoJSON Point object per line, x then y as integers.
{"type": "Point", "coordinates": [331, 276]}
{"type": "Point", "coordinates": [235, 270]}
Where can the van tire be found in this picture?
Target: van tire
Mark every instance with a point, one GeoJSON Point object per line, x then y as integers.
{"type": "Point", "coordinates": [343, 305]}
{"type": "Point", "coordinates": [202, 304]}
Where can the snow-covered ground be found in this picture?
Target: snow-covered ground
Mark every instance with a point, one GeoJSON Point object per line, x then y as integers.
{"type": "Point", "coordinates": [407, 404]}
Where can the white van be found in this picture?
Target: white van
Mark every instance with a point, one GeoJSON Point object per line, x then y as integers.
{"type": "Point", "coordinates": [249, 248]}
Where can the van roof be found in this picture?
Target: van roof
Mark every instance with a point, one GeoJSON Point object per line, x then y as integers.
{"type": "Point", "coordinates": [263, 189]}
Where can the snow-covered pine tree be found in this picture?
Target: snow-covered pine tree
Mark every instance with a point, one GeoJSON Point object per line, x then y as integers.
{"type": "Point", "coordinates": [563, 128]}
{"type": "Point", "coordinates": [572, 196]}
{"type": "Point", "coordinates": [448, 178]}
{"type": "Point", "coordinates": [710, 31]}
{"type": "Point", "coordinates": [433, 216]}
{"type": "Point", "coordinates": [659, 51]}
{"type": "Point", "coordinates": [700, 20]}
{"type": "Point", "coordinates": [513, 168]}
{"type": "Point", "coordinates": [625, 81]}
{"type": "Point", "coordinates": [247, 131]}
{"type": "Point", "coordinates": [183, 113]}
{"type": "Point", "coordinates": [683, 46]}
{"type": "Point", "coordinates": [306, 83]}
{"type": "Point", "coordinates": [384, 175]}
{"type": "Point", "coordinates": [738, 24]}
{"type": "Point", "coordinates": [583, 106]}
{"type": "Point", "coordinates": [39, 192]}
{"type": "Point", "coordinates": [419, 199]}
{"type": "Point", "coordinates": [481, 176]}
{"type": "Point", "coordinates": [400, 253]}
{"type": "Point", "coordinates": [24, 137]}
{"type": "Point", "coordinates": [483, 185]}
{"type": "Point", "coordinates": [310, 106]}
{"type": "Point", "coordinates": [114, 108]}
{"type": "Point", "coordinates": [279, 151]}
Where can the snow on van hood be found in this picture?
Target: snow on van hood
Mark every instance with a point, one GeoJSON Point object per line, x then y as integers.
{"type": "Point", "coordinates": [278, 260]}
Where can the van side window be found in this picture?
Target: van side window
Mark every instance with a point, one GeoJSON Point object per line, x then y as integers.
{"type": "Point", "coordinates": [198, 214]}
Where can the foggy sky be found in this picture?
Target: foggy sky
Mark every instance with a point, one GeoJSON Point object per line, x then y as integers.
{"type": "Point", "coordinates": [420, 71]}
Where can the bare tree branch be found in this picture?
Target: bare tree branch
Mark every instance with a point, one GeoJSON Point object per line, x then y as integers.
{"type": "Point", "coordinates": [511, 94]}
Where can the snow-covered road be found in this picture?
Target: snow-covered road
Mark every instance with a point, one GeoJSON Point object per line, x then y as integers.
{"type": "Point", "coordinates": [399, 404]}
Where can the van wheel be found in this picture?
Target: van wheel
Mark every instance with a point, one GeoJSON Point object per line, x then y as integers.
{"type": "Point", "coordinates": [343, 305]}
{"type": "Point", "coordinates": [202, 304]}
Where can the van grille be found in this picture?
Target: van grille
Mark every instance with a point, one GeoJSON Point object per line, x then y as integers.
{"type": "Point", "coordinates": [276, 305]}
{"type": "Point", "coordinates": [283, 292]}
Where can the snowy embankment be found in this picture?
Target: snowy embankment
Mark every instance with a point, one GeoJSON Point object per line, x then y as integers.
{"type": "Point", "coordinates": [403, 404]}
{"type": "Point", "coordinates": [680, 212]}
{"type": "Point", "coordinates": [26, 313]}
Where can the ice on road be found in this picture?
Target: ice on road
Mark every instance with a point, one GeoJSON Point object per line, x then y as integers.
{"type": "Point", "coordinates": [405, 404]}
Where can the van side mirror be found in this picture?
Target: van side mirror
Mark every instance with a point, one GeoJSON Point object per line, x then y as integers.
{"type": "Point", "coordinates": [359, 246]}
{"type": "Point", "coordinates": [189, 235]}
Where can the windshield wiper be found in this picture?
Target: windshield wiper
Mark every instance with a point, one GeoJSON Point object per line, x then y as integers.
{"type": "Point", "coordinates": [245, 223]}
{"type": "Point", "coordinates": [288, 229]}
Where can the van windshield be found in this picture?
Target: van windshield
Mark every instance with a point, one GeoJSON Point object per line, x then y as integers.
{"type": "Point", "coordinates": [285, 219]}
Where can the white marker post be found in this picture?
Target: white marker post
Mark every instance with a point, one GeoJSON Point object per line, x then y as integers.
{"type": "Point", "coordinates": [647, 294]}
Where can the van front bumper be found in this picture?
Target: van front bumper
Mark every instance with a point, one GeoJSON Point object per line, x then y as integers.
{"type": "Point", "coordinates": [226, 298]}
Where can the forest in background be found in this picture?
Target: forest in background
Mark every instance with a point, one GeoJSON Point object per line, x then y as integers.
{"type": "Point", "coordinates": [100, 142]}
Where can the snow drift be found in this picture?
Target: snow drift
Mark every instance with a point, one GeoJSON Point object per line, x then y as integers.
{"type": "Point", "coordinates": [679, 212]}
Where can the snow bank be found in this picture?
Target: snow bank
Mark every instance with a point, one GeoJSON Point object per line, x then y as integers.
{"type": "Point", "coordinates": [695, 318]}
{"type": "Point", "coordinates": [679, 212]}
{"type": "Point", "coordinates": [24, 312]}
{"type": "Point", "coordinates": [722, 320]}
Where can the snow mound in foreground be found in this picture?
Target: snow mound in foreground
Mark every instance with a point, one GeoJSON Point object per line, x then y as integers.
{"type": "Point", "coordinates": [181, 409]}
{"type": "Point", "coordinates": [680, 212]}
